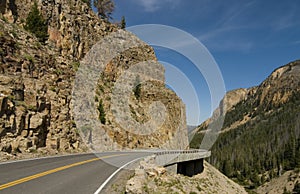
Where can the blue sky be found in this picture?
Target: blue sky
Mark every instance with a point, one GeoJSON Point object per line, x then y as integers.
{"type": "Point", "coordinates": [248, 39]}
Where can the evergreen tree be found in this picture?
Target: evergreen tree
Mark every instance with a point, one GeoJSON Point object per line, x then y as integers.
{"type": "Point", "coordinates": [101, 112]}
{"type": "Point", "coordinates": [227, 168]}
{"type": "Point", "coordinates": [36, 24]}
{"type": "Point", "coordinates": [123, 23]}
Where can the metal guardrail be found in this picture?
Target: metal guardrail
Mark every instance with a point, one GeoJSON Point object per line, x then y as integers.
{"type": "Point", "coordinates": [169, 157]}
{"type": "Point", "coordinates": [193, 151]}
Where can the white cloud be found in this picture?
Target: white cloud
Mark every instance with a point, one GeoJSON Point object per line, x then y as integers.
{"type": "Point", "coordinates": [154, 5]}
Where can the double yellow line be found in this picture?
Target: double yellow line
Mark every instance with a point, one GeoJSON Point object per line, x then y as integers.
{"type": "Point", "coordinates": [35, 176]}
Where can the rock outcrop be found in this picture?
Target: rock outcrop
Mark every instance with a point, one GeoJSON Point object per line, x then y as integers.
{"type": "Point", "coordinates": [73, 27]}
{"type": "Point", "coordinates": [35, 89]}
{"type": "Point", "coordinates": [36, 82]}
{"type": "Point", "coordinates": [135, 108]}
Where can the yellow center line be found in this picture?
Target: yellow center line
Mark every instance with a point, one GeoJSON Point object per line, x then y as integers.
{"type": "Point", "coordinates": [35, 176]}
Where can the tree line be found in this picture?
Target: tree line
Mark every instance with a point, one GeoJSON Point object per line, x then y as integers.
{"type": "Point", "coordinates": [261, 149]}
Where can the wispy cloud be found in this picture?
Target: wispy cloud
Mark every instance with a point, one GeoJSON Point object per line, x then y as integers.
{"type": "Point", "coordinates": [296, 42]}
{"type": "Point", "coordinates": [287, 21]}
{"type": "Point", "coordinates": [155, 5]}
{"type": "Point", "coordinates": [231, 21]}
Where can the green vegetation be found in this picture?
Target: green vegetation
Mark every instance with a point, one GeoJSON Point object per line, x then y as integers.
{"type": "Point", "coordinates": [29, 58]}
{"type": "Point", "coordinates": [36, 24]}
{"type": "Point", "coordinates": [262, 148]}
{"type": "Point", "coordinates": [101, 112]}
{"type": "Point", "coordinates": [123, 22]}
{"type": "Point", "coordinates": [137, 88]}
{"type": "Point", "coordinates": [4, 19]}
{"type": "Point", "coordinates": [75, 65]}
{"type": "Point", "coordinates": [58, 72]}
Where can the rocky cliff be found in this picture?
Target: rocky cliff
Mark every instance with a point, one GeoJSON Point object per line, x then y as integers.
{"type": "Point", "coordinates": [227, 103]}
{"type": "Point", "coordinates": [36, 82]}
{"type": "Point", "coordinates": [73, 27]}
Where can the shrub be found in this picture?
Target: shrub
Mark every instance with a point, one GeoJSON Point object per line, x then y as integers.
{"type": "Point", "coordinates": [36, 24]}
{"type": "Point", "coordinates": [101, 112]}
{"type": "Point", "coordinates": [123, 23]}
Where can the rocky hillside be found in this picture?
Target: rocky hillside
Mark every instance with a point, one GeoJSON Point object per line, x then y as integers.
{"type": "Point", "coordinates": [73, 28]}
{"type": "Point", "coordinates": [149, 178]}
{"type": "Point", "coordinates": [289, 182]}
{"type": "Point", "coordinates": [35, 94]}
{"type": "Point", "coordinates": [36, 82]}
{"type": "Point", "coordinates": [228, 102]}
{"type": "Point", "coordinates": [260, 138]}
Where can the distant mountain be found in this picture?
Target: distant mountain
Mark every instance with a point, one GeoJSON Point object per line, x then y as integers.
{"type": "Point", "coordinates": [260, 137]}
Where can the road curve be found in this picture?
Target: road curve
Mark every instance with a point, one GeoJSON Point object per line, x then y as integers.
{"type": "Point", "coordinates": [82, 173]}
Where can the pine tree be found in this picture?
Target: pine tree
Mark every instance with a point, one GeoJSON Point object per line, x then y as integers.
{"type": "Point", "coordinates": [36, 24]}
{"type": "Point", "coordinates": [101, 112]}
{"type": "Point", "coordinates": [123, 23]}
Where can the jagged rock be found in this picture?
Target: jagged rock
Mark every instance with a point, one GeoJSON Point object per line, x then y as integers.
{"type": "Point", "coordinates": [5, 147]}
{"type": "Point", "coordinates": [36, 82]}
{"type": "Point", "coordinates": [135, 185]}
{"type": "Point", "coordinates": [53, 143]}
{"type": "Point", "coordinates": [15, 144]}
{"type": "Point", "coordinates": [24, 133]}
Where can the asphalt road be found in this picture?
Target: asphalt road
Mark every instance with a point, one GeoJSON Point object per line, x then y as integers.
{"type": "Point", "coordinates": [82, 174]}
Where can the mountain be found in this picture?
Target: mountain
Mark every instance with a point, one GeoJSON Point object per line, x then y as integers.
{"type": "Point", "coordinates": [260, 136]}
{"type": "Point", "coordinates": [37, 78]}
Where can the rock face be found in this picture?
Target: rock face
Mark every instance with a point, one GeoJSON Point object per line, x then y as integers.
{"type": "Point", "coordinates": [35, 92]}
{"type": "Point", "coordinates": [73, 28]}
{"type": "Point", "coordinates": [135, 108]}
{"type": "Point", "coordinates": [227, 103]}
{"type": "Point", "coordinates": [36, 82]}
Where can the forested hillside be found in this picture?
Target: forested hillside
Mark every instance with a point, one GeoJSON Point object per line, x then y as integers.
{"type": "Point", "coordinates": [262, 136]}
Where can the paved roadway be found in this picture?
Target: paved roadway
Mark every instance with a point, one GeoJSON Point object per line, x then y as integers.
{"type": "Point", "coordinates": [82, 174]}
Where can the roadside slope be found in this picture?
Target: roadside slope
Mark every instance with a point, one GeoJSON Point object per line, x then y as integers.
{"type": "Point", "coordinates": [149, 178]}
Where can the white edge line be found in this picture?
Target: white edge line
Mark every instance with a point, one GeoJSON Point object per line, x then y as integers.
{"type": "Point", "coordinates": [113, 174]}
